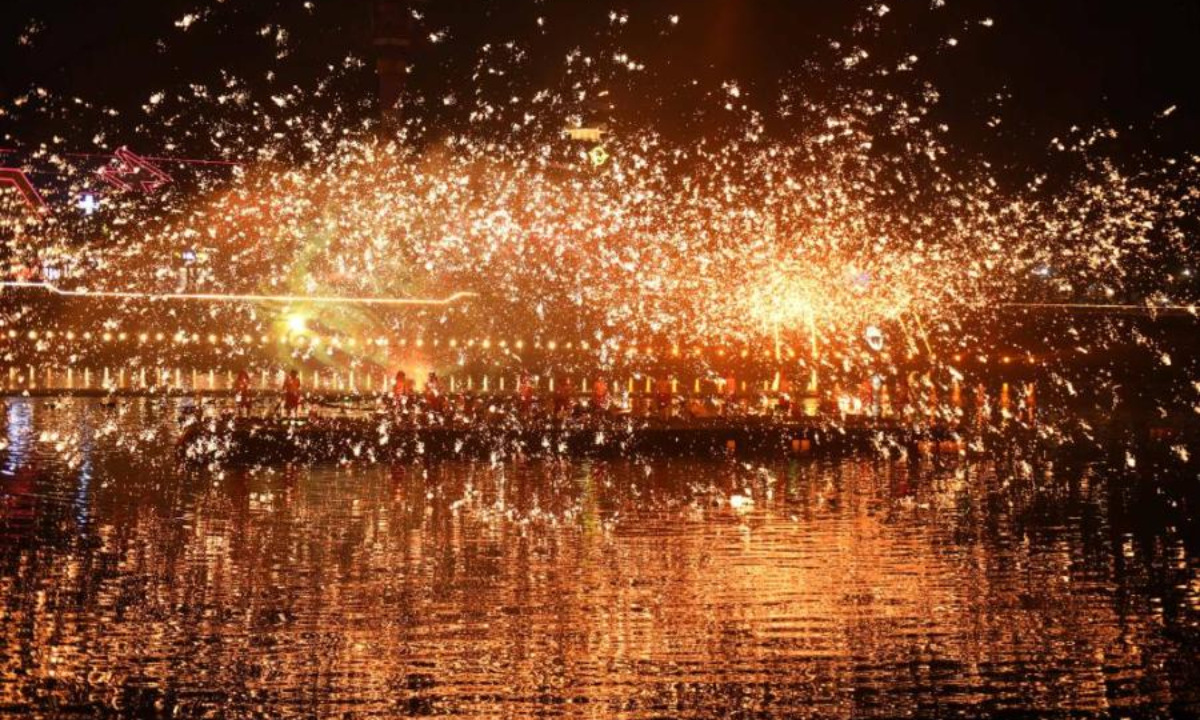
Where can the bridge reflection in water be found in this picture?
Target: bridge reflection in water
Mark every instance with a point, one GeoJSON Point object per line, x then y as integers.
{"type": "Point", "coordinates": [833, 588]}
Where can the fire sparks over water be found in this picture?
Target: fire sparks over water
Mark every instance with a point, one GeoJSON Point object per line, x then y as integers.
{"type": "Point", "coordinates": [799, 220]}
{"type": "Point", "coordinates": [946, 387]}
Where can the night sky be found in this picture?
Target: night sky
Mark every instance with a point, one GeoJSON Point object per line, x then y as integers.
{"type": "Point", "coordinates": [1058, 64]}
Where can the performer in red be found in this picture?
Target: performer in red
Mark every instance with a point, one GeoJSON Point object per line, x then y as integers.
{"type": "Point", "coordinates": [525, 392]}
{"type": "Point", "coordinates": [562, 396]}
{"type": "Point", "coordinates": [662, 391]}
{"type": "Point", "coordinates": [731, 395]}
{"type": "Point", "coordinates": [600, 394]}
{"type": "Point", "coordinates": [243, 393]}
{"type": "Point", "coordinates": [291, 393]}
{"type": "Point", "coordinates": [400, 391]}
{"type": "Point", "coordinates": [433, 393]}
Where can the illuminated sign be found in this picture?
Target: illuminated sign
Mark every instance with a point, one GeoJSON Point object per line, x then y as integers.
{"type": "Point", "coordinates": [594, 135]}
{"type": "Point", "coordinates": [88, 204]}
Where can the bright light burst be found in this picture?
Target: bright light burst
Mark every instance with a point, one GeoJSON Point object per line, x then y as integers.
{"type": "Point", "coordinates": [801, 218]}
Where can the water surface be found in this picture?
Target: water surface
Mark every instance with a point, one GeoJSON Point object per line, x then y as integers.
{"type": "Point", "coordinates": [816, 587]}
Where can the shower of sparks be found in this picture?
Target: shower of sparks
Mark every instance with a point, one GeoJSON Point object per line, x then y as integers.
{"type": "Point", "coordinates": [849, 231]}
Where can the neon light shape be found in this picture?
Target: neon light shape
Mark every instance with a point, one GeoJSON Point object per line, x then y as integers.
{"type": "Point", "coordinates": [18, 179]}
{"type": "Point", "coordinates": [130, 163]}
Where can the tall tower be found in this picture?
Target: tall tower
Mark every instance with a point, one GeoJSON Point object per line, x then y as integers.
{"type": "Point", "coordinates": [393, 34]}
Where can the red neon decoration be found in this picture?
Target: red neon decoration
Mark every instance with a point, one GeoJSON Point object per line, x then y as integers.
{"type": "Point", "coordinates": [18, 179]}
{"type": "Point", "coordinates": [151, 158]}
{"type": "Point", "coordinates": [129, 163]}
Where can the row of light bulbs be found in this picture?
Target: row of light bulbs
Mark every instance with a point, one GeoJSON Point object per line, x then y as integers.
{"type": "Point", "coordinates": [182, 338]}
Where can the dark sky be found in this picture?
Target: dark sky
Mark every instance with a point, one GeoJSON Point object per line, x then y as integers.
{"type": "Point", "coordinates": [1061, 62]}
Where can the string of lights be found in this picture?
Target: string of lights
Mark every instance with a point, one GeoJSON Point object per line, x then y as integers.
{"type": "Point", "coordinates": [501, 346]}
{"type": "Point", "coordinates": [1108, 308]}
{"type": "Point", "coordinates": [242, 298]}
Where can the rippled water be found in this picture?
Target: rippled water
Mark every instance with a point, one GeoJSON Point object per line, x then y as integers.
{"type": "Point", "coordinates": [848, 587]}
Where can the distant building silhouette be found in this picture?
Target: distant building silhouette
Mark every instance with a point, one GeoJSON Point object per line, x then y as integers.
{"type": "Point", "coordinates": [393, 29]}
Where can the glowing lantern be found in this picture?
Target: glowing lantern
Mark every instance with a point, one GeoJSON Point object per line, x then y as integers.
{"type": "Point", "coordinates": [874, 338]}
{"type": "Point", "coordinates": [598, 156]}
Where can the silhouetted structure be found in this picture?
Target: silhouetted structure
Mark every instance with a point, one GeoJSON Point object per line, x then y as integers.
{"type": "Point", "coordinates": [393, 34]}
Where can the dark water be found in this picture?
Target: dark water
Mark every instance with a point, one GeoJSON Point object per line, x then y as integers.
{"type": "Point", "coordinates": [811, 588]}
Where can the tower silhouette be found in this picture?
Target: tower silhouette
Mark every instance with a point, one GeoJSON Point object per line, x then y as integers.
{"type": "Point", "coordinates": [393, 27]}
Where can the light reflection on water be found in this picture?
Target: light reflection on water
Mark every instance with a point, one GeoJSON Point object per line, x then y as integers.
{"type": "Point", "coordinates": [823, 588]}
